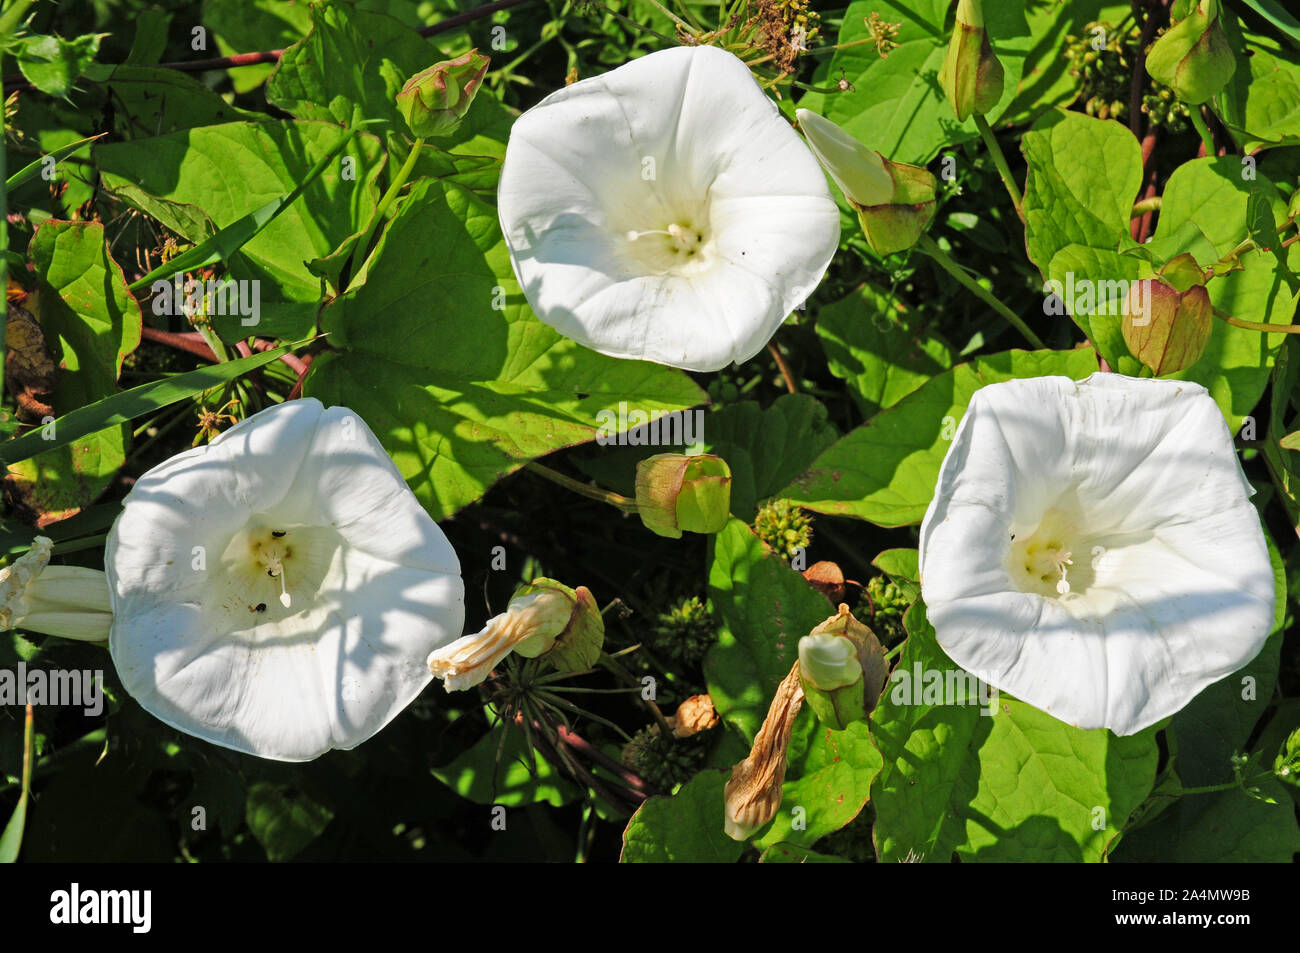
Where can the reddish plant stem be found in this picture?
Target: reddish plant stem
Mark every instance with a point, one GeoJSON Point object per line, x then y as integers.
{"type": "Point", "coordinates": [581, 744]}
{"type": "Point", "coordinates": [1140, 227]}
{"type": "Point", "coordinates": [191, 342]}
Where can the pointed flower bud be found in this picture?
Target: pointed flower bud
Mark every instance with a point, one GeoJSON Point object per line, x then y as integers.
{"type": "Point", "coordinates": [1164, 328]}
{"type": "Point", "coordinates": [676, 493]}
{"type": "Point", "coordinates": [1193, 57]}
{"type": "Point", "coordinates": [434, 101]}
{"type": "Point", "coordinates": [543, 618]}
{"type": "Point", "coordinates": [894, 201]}
{"type": "Point", "coordinates": [753, 795]}
{"type": "Point", "coordinates": [843, 668]}
{"type": "Point", "coordinates": [68, 601]}
{"type": "Point", "coordinates": [971, 75]}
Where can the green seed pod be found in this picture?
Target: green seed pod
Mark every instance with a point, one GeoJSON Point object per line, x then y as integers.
{"type": "Point", "coordinates": [1193, 57]}
{"type": "Point", "coordinates": [676, 493]}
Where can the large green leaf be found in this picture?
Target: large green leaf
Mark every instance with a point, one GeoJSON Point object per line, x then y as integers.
{"type": "Point", "coordinates": [764, 608]}
{"type": "Point", "coordinates": [442, 358]}
{"type": "Point", "coordinates": [1226, 826]}
{"type": "Point", "coordinates": [896, 105]}
{"type": "Point", "coordinates": [885, 471]}
{"type": "Point", "coordinates": [200, 180]}
{"type": "Point", "coordinates": [827, 783]}
{"type": "Point", "coordinates": [52, 64]}
{"type": "Point", "coordinates": [1015, 785]}
{"type": "Point", "coordinates": [248, 26]}
{"type": "Point", "coordinates": [1219, 721]}
{"type": "Point", "coordinates": [882, 353]}
{"type": "Point", "coordinates": [1261, 103]}
{"type": "Point", "coordinates": [684, 828]}
{"type": "Point", "coordinates": [91, 324]}
{"type": "Point", "coordinates": [521, 777]}
{"type": "Point", "coordinates": [1083, 177]}
{"type": "Point", "coordinates": [284, 820]}
{"type": "Point", "coordinates": [1205, 212]}
{"type": "Point", "coordinates": [924, 748]}
{"type": "Point", "coordinates": [351, 67]}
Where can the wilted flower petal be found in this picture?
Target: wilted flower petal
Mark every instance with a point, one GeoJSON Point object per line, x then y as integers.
{"type": "Point", "coordinates": [67, 601]}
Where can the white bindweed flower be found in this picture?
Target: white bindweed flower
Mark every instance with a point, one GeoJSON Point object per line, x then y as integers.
{"type": "Point", "coordinates": [67, 601]}
{"type": "Point", "coordinates": [665, 211]}
{"type": "Point", "coordinates": [278, 590]}
{"type": "Point", "coordinates": [1091, 548]}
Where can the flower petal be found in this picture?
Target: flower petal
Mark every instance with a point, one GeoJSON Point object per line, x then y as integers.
{"type": "Point", "coordinates": [682, 137]}
{"type": "Point", "coordinates": [1177, 590]}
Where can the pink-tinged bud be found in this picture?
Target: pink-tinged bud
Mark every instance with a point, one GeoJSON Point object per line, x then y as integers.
{"type": "Point", "coordinates": [1164, 328]}
{"type": "Point", "coordinates": [434, 101]}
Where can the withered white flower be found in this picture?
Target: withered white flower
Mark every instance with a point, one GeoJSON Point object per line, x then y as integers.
{"type": "Point", "coordinates": [528, 627]}
{"type": "Point", "coordinates": [67, 601]}
{"type": "Point", "coordinates": [1091, 548]}
{"type": "Point", "coordinates": [665, 211]}
{"type": "Point", "coordinates": [278, 590]}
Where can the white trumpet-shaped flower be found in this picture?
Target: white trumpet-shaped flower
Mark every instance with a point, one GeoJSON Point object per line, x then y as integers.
{"type": "Point", "coordinates": [1091, 548]}
{"type": "Point", "coordinates": [278, 590]}
{"type": "Point", "coordinates": [68, 601]}
{"type": "Point", "coordinates": [665, 211]}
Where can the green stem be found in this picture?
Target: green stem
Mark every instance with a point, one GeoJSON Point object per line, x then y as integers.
{"type": "Point", "coordinates": [1000, 160]}
{"type": "Point", "coordinates": [682, 24]}
{"type": "Point", "coordinates": [1226, 786]}
{"type": "Point", "coordinates": [927, 245]}
{"type": "Point", "coordinates": [12, 16]}
{"type": "Point", "coordinates": [1198, 121]}
{"type": "Point", "coordinates": [583, 489]}
{"type": "Point", "coordinates": [381, 210]}
{"type": "Point", "coordinates": [1256, 326]}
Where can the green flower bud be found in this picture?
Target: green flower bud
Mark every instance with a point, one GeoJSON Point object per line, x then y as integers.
{"type": "Point", "coordinates": [1166, 329]}
{"type": "Point", "coordinates": [971, 76]}
{"type": "Point", "coordinates": [676, 493]}
{"type": "Point", "coordinates": [894, 201]}
{"type": "Point", "coordinates": [1193, 57]}
{"type": "Point", "coordinates": [434, 101]}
